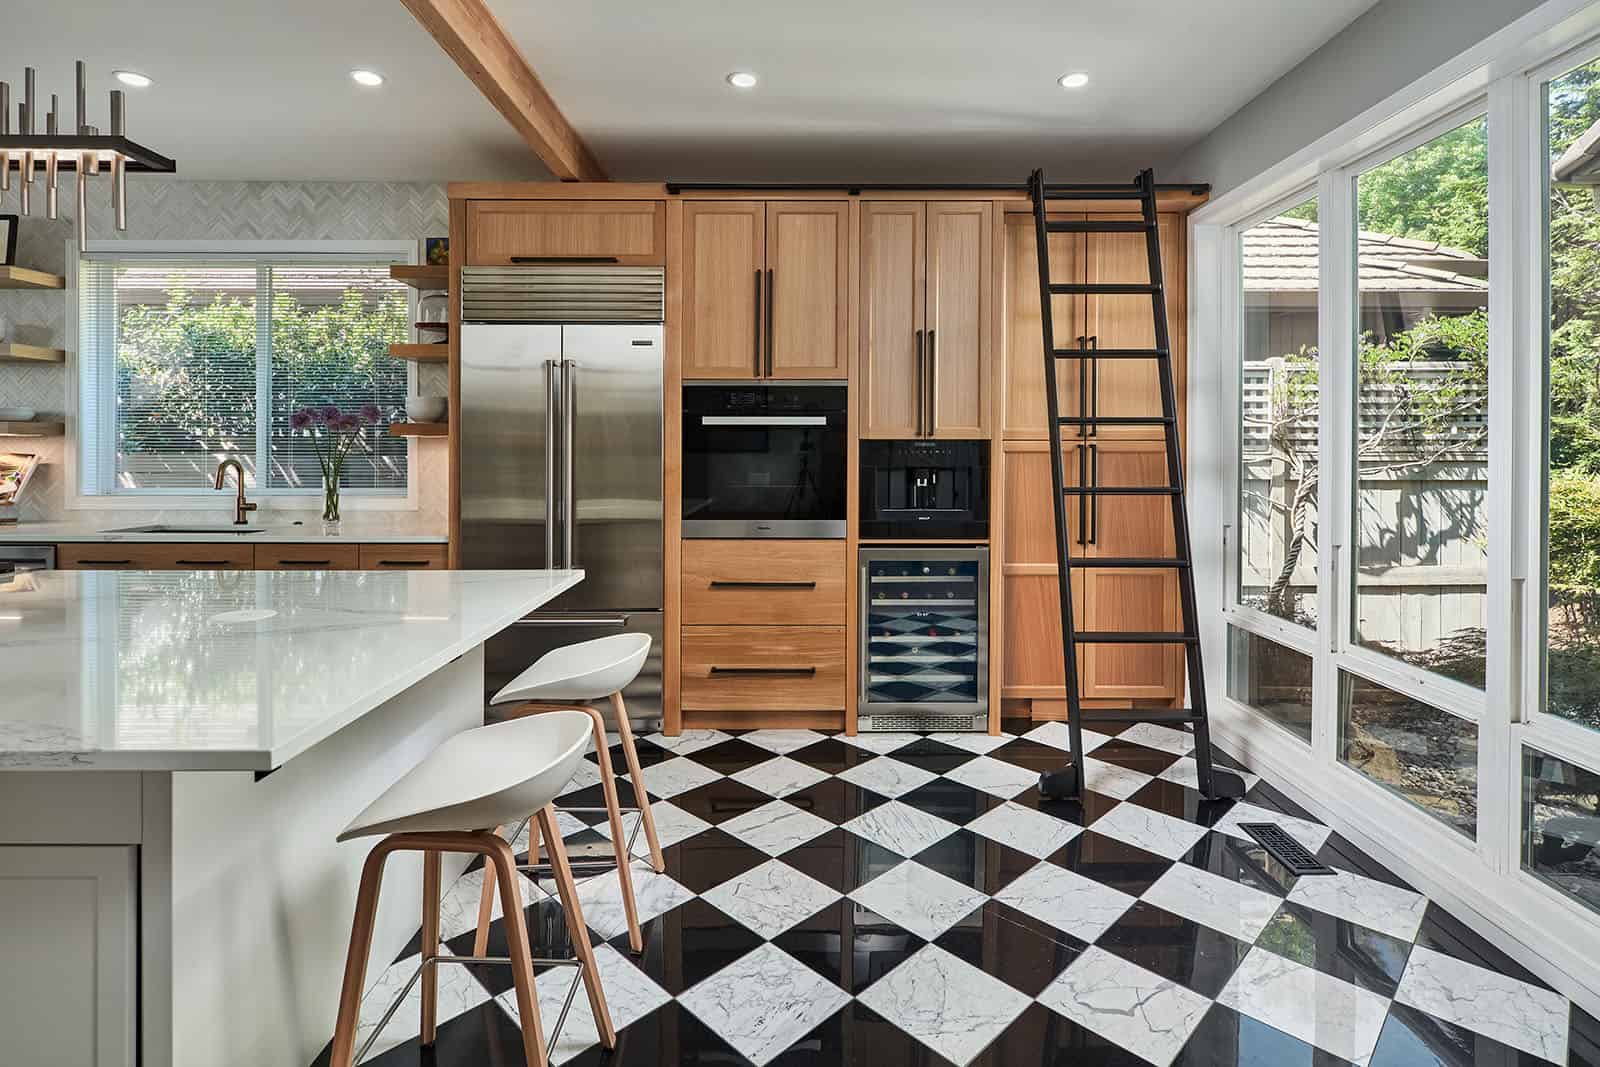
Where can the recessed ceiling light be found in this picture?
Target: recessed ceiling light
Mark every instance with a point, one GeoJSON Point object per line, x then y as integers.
{"type": "Point", "coordinates": [368, 78]}
{"type": "Point", "coordinates": [742, 79]}
{"type": "Point", "coordinates": [133, 78]}
{"type": "Point", "coordinates": [1075, 80]}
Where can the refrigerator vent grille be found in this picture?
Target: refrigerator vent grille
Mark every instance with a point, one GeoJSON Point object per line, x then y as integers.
{"type": "Point", "coordinates": [565, 293]}
{"type": "Point", "coordinates": [901, 722]}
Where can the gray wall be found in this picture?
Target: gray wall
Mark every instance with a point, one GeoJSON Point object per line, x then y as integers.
{"type": "Point", "coordinates": [1393, 44]}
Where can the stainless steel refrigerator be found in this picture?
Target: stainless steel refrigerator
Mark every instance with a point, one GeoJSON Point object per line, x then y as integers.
{"type": "Point", "coordinates": [561, 453]}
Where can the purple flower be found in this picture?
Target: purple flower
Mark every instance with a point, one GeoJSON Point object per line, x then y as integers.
{"type": "Point", "coordinates": [346, 423]}
{"type": "Point", "coordinates": [370, 413]}
{"type": "Point", "coordinates": [318, 416]}
{"type": "Point", "coordinates": [331, 414]}
{"type": "Point", "coordinates": [300, 420]}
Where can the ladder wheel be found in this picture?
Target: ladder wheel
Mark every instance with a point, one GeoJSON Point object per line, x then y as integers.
{"type": "Point", "coordinates": [1225, 785]}
{"type": "Point", "coordinates": [1062, 784]}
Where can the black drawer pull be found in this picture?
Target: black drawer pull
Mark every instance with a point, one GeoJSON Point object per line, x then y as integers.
{"type": "Point", "coordinates": [720, 584]}
{"type": "Point", "coordinates": [769, 671]}
{"type": "Point", "coordinates": [402, 563]}
{"type": "Point", "coordinates": [557, 260]}
{"type": "Point", "coordinates": [104, 562]}
{"type": "Point", "coordinates": [202, 562]}
{"type": "Point", "coordinates": [304, 562]}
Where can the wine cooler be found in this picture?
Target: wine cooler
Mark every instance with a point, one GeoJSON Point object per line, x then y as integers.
{"type": "Point", "coordinates": [925, 639]}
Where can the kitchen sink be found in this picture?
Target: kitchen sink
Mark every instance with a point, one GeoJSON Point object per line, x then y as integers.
{"type": "Point", "coordinates": [163, 528]}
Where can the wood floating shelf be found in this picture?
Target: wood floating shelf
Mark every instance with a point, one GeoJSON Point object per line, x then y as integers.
{"type": "Point", "coordinates": [424, 352]}
{"type": "Point", "coordinates": [32, 428]}
{"type": "Point", "coordinates": [15, 352]}
{"type": "Point", "coordinates": [419, 429]}
{"type": "Point", "coordinates": [27, 278]}
{"type": "Point", "coordinates": [421, 276]}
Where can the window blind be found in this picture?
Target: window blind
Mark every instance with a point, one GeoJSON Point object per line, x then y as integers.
{"type": "Point", "coordinates": [186, 362]}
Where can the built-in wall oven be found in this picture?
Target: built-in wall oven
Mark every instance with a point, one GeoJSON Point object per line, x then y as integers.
{"type": "Point", "coordinates": [924, 638]}
{"type": "Point", "coordinates": [764, 460]}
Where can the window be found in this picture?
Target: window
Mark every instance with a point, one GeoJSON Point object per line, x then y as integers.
{"type": "Point", "coordinates": [190, 361]}
{"type": "Point", "coordinates": [1561, 825]}
{"type": "Point", "coordinates": [1276, 558]}
{"type": "Point", "coordinates": [1272, 680]}
{"type": "Point", "coordinates": [1425, 755]}
{"type": "Point", "coordinates": [1422, 381]}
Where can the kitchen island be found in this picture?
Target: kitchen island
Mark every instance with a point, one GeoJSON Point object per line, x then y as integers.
{"type": "Point", "coordinates": [177, 752]}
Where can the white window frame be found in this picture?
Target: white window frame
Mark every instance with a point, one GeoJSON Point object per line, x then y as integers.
{"type": "Point", "coordinates": [271, 500]}
{"type": "Point", "coordinates": [1538, 925]}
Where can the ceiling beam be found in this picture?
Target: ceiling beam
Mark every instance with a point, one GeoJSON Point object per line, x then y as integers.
{"type": "Point", "coordinates": [474, 38]}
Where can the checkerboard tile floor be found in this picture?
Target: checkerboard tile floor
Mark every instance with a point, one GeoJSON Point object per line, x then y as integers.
{"type": "Point", "coordinates": [910, 901]}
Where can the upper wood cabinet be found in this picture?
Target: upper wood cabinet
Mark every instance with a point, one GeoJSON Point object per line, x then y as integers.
{"type": "Point", "coordinates": [926, 301]}
{"type": "Point", "coordinates": [629, 232]}
{"type": "Point", "coordinates": [766, 289]}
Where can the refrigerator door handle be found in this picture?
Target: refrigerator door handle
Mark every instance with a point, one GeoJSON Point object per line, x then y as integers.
{"type": "Point", "coordinates": [549, 463]}
{"type": "Point", "coordinates": [569, 411]}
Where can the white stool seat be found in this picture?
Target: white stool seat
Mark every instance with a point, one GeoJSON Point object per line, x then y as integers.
{"type": "Point", "coordinates": [482, 778]}
{"type": "Point", "coordinates": [588, 670]}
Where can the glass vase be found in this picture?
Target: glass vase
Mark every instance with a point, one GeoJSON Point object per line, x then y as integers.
{"type": "Point", "coordinates": [330, 502]}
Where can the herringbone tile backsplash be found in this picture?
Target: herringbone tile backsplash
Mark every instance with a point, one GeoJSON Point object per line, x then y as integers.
{"type": "Point", "coordinates": [166, 209]}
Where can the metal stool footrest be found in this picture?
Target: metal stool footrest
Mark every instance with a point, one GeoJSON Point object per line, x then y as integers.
{"type": "Point", "coordinates": [596, 866]}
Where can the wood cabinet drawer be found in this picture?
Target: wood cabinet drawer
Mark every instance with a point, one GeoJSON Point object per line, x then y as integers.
{"type": "Point", "coordinates": [403, 557]}
{"type": "Point", "coordinates": [124, 556]}
{"type": "Point", "coordinates": [501, 232]}
{"type": "Point", "coordinates": [757, 582]}
{"type": "Point", "coordinates": [315, 556]}
{"type": "Point", "coordinates": [763, 668]}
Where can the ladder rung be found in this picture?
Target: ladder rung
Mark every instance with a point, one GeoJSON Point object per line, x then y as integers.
{"type": "Point", "coordinates": [1128, 562]}
{"type": "Point", "coordinates": [1133, 637]}
{"type": "Point", "coordinates": [1117, 420]}
{"type": "Point", "coordinates": [1102, 289]}
{"type": "Point", "coordinates": [1100, 226]}
{"type": "Point", "coordinates": [1135, 715]}
{"type": "Point", "coordinates": [1120, 490]}
{"type": "Point", "coordinates": [1110, 353]}
{"type": "Point", "coordinates": [1093, 192]}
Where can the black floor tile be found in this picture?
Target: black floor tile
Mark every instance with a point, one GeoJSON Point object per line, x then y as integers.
{"type": "Point", "coordinates": [1412, 1038]}
{"type": "Point", "coordinates": [933, 756]}
{"type": "Point", "coordinates": [1242, 861]}
{"type": "Point", "coordinates": [1174, 947]}
{"type": "Point", "coordinates": [849, 945]}
{"type": "Point", "coordinates": [732, 756]}
{"type": "Point", "coordinates": [1112, 862]}
{"type": "Point", "coordinates": [717, 802]}
{"type": "Point", "coordinates": [1345, 950]}
{"type": "Point", "coordinates": [1225, 1038]}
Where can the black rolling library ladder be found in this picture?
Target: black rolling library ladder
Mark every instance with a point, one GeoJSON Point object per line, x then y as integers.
{"type": "Point", "coordinates": [1067, 782]}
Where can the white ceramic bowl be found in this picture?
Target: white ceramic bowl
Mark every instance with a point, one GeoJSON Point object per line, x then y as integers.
{"type": "Point", "coordinates": [425, 408]}
{"type": "Point", "coordinates": [16, 414]}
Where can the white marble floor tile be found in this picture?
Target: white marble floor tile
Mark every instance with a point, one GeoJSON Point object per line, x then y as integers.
{"type": "Point", "coordinates": [630, 996]}
{"type": "Point", "coordinates": [688, 741]}
{"type": "Point", "coordinates": [1318, 1008]}
{"type": "Point", "coordinates": [1497, 1006]}
{"type": "Point", "coordinates": [1155, 735]}
{"type": "Point", "coordinates": [1066, 900]}
{"type": "Point", "coordinates": [1149, 1015]}
{"type": "Point", "coordinates": [1367, 902]}
{"type": "Point", "coordinates": [1312, 835]}
{"type": "Point", "coordinates": [776, 827]}
{"type": "Point", "coordinates": [973, 742]}
{"type": "Point", "coordinates": [994, 776]}
{"type": "Point", "coordinates": [900, 828]}
{"type": "Point", "coordinates": [919, 898]}
{"type": "Point", "coordinates": [1237, 910]}
{"type": "Point", "coordinates": [583, 776]}
{"type": "Point", "coordinates": [1058, 735]}
{"type": "Point", "coordinates": [673, 776]}
{"type": "Point", "coordinates": [887, 776]}
{"type": "Point", "coordinates": [782, 741]}
{"type": "Point", "coordinates": [458, 905]}
{"type": "Point", "coordinates": [1024, 829]}
{"type": "Point", "coordinates": [673, 825]}
{"type": "Point", "coordinates": [880, 743]}
{"type": "Point", "coordinates": [1151, 830]}
{"type": "Point", "coordinates": [1185, 772]}
{"type": "Point", "coordinates": [653, 894]}
{"type": "Point", "coordinates": [1112, 779]}
{"type": "Point", "coordinates": [458, 992]}
{"type": "Point", "coordinates": [945, 1003]}
{"type": "Point", "coordinates": [764, 1002]}
{"type": "Point", "coordinates": [771, 898]}
{"type": "Point", "coordinates": [566, 823]}
{"type": "Point", "coordinates": [779, 776]}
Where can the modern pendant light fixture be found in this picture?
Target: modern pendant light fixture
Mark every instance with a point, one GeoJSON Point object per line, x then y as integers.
{"type": "Point", "coordinates": [82, 148]}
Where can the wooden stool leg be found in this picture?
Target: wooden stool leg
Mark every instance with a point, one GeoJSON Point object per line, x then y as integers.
{"type": "Point", "coordinates": [355, 963]}
{"type": "Point", "coordinates": [431, 863]}
{"type": "Point", "coordinates": [499, 861]}
{"type": "Point", "coordinates": [567, 889]}
{"type": "Point", "coordinates": [619, 839]}
{"type": "Point", "coordinates": [480, 941]}
{"type": "Point", "coordinates": [625, 732]}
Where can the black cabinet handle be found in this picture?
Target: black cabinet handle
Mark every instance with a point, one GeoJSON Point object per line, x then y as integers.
{"type": "Point", "coordinates": [1083, 498]}
{"type": "Point", "coordinates": [1083, 386]}
{"type": "Point", "coordinates": [757, 337]}
{"type": "Point", "coordinates": [402, 563]}
{"type": "Point", "coordinates": [1094, 387]}
{"type": "Point", "coordinates": [933, 388]}
{"type": "Point", "coordinates": [922, 392]}
{"type": "Point", "coordinates": [721, 584]}
{"type": "Point", "coordinates": [772, 314]}
{"type": "Point", "coordinates": [563, 259]}
{"type": "Point", "coordinates": [202, 562]}
{"type": "Point", "coordinates": [104, 562]}
{"type": "Point", "coordinates": [304, 562]}
{"type": "Point", "coordinates": [769, 671]}
{"type": "Point", "coordinates": [1094, 505]}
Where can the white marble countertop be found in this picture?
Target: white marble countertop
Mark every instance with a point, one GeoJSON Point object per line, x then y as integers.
{"type": "Point", "coordinates": [173, 670]}
{"type": "Point", "coordinates": [273, 527]}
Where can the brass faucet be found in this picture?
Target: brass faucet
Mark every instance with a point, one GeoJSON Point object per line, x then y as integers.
{"type": "Point", "coordinates": [241, 506]}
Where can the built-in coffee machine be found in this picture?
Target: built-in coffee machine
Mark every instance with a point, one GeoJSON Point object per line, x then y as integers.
{"type": "Point", "coordinates": [937, 490]}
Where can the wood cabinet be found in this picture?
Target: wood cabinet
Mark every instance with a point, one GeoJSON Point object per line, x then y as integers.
{"type": "Point", "coordinates": [926, 296]}
{"type": "Point", "coordinates": [386, 557]}
{"type": "Point", "coordinates": [763, 668]}
{"type": "Point", "coordinates": [244, 556]}
{"type": "Point", "coordinates": [765, 289]}
{"type": "Point", "coordinates": [764, 582]}
{"type": "Point", "coordinates": [628, 232]}
{"type": "Point", "coordinates": [315, 556]}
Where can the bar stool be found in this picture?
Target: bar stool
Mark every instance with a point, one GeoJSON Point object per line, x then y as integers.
{"type": "Point", "coordinates": [589, 670]}
{"type": "Point", "coordinates": [475, 780]}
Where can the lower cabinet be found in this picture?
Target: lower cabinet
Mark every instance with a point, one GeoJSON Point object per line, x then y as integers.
{"type": "Point", "coordinates": [763, 668]}
{"type": "Point", "coordinates": [403, 557]}
{"type": "Point", "coordinates": [228, 556]}
{"type": "Point", "coordinates": [309, 557]}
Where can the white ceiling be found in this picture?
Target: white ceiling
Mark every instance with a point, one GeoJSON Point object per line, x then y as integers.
{"type": "Point", "coordinates": [851, 89]}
